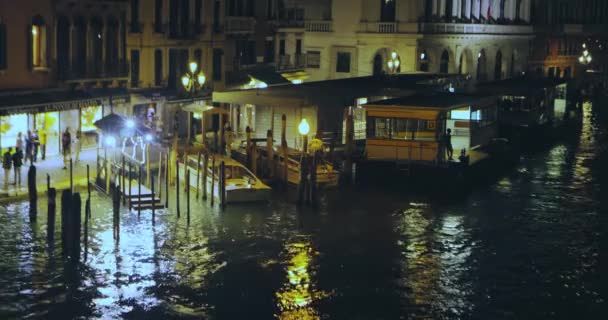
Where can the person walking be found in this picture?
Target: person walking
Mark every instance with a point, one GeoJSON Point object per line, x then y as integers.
{"type": "Point", "coordinates": [43, 137]}
{"type": "Point", "coordinates": [77, 146]}
{"type": "Point", "coordinates": [28, 147]}
{"type": "Point", "coordinates": [66, 147]}
{"type": "Point", "coordinates": [19, 143]}
{"type": "Point", "coordinates": [447, 140]}
{"type": "Point", "coordinates": [17, 163]}
{"type": "Point", "coordinates": [35, 144]}
{"type": "Point", "coordinates": [7, 165]}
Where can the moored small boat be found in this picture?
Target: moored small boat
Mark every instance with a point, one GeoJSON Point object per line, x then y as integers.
{"type": "Point", "coordinates": [241, 184]}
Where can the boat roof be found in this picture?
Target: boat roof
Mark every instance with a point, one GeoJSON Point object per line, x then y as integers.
{"type": "Point", "coordinates": [436, 101]}
{"type": "Point", "coordinates": [519, 86]}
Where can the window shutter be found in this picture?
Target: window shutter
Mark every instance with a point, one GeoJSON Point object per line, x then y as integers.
{"type": "Point", "coordinates": [28, 39]}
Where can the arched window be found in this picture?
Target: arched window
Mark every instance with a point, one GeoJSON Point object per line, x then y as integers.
{"type": "Point", "coordinates": [378, 65]}
{"type": "Point", "coordinates": [445, 62]}
{"type": "Point", "coordinates": [112, 45]}
{"type": "Point", "coordinates": [63, 45]}
{"type": "Point", "coordinates": [424, 61]}
{"type": "Point", "coordinates": [3, 49]}
{"type": "Point", "coordinates": [387, 10]}
{"type": "Point", "coordinates": [498, 66]}
{"type": "Point", "coordinates": [79, 46]}
{"type": "Point", "coordinates": [37, 42]}
{"type": "Point", "coordinates": [448, 10]}
{"type": "Point", "coordinates": [96, 45]}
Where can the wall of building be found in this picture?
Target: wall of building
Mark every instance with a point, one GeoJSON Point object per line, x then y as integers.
{"type": "Point", "coordinates": [17, 17]}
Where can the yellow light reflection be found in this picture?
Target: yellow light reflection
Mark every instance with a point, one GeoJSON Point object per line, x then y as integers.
{"type": "Point", "coordinates": [298, 293]}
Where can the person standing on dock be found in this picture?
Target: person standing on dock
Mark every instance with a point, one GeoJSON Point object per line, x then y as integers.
{"type": "Point", "coordinates": [7, 164]}
{"type": "Point", "coordinates": [66, 147]}
{"type": "Point", "coordinates": [17, 163]}
{"type": "Point", "coordinates": [43, 136]}
{"type": "Point", "coordinates": [447, 141]}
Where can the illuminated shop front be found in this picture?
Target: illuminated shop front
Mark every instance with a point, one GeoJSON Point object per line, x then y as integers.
{"type": "Point", "coordinates": [51, 113]}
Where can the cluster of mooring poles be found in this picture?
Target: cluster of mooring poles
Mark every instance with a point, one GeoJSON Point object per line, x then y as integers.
{"type": "Point", "coordinates": [73, 235]}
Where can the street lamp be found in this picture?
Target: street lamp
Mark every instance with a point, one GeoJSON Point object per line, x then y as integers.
{"type": "Point", "coordinates": [304, 129]}
{"type": "Point", "coordinates": [194, 79]}
{"type": "Point", "coordinates": [394, 62]}
{"type": "Point", "coordinates": [585, 57]}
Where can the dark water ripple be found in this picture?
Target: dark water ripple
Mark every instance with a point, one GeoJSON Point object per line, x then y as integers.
{"type": "Point", "coordinates": [527, 246]}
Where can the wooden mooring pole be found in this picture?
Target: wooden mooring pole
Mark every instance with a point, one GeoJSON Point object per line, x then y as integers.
{"type": "Point", "coordinates": [153, 199]}
{"type": "Point", "coordinates": [187, 196]}
{"type": "Point", "coordinates": [122, 181]}
{"type": "Point", "coordinates": [198, 173]}
{"type": "Point", "coordinates": [76, 221]}
{"type": "Point", "coordinates": [139, 192]}
{"type": "Point", "coordinates": [66, 200]}
{"type": "Point", "coordinates": [167, 181]}
{"type": "Point", "coordinates": [212, 180]}
{"type": "Point", "coordinates": [205, 173]}
{"type": "Point", "coordinates": [52, 206]}
{"type": "Point", "coordinates": [33, 193]}
{"type": "Point", "coordinates": [177, 187]}
{"type": "Point", "coordinates": [222, 186]}
{"type": "Point", "coordinates": [284, 151]}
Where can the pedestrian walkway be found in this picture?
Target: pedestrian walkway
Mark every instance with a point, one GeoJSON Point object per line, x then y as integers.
{"type": "Point", "coordinates": [53, 166]}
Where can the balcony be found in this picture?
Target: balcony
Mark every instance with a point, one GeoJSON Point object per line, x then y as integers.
{"type": "Point", "coordinates": [286, 63]}
{"type": "Point", "coordinates": [469, 28]}
{"type": "Point", "coordinates": [94, 71]}
{"type": "Point", "coordinates": [239, 25]}
{"type": "Point", "coordinates": [318, 26]}
{"type": "Point", "coordinates": [386, 27]}
{"type": "Point", "coordinates": [178, 31]}
{"type": "Point", "coordinates": [443, 28]}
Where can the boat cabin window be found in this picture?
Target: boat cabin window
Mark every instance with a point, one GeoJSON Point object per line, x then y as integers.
{"type": "Point", "coordinates": [515, 103]}
{"type": "Point", "coordinates": [235, 172]}
{"type": "Point", "coordinates": [401, 129]}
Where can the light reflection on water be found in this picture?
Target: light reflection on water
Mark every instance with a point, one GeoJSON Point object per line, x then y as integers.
{"type": "Point", "coordinates": [525, 247]}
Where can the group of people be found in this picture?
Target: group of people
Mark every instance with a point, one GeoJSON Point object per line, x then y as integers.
{"type": "Point", "coordinates": [27, 149]}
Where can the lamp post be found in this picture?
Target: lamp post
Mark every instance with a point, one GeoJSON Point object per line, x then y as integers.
{"type": "Point", "coordinates": [585, 57]}
{"type": "Point", "coordinates": [393, 63]}
{"type": "Point", "coordinates": [303, 129]}
{"type": "Point", "coordinates": [194, 79]}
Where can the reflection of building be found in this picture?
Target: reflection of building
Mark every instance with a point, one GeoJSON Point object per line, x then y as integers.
{"type": "Point", "coordinates": [562, 27]}
{"type": "Point", "coordinates": [65, 71]}
{"type": "Point", "coordinates": [345, 38]}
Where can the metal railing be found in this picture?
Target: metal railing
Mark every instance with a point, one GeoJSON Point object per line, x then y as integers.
{"type": "Point", "coordinates": [472, 28]}
{"type": "Point", "coordinates": [93, 70]}
{"type": "Point", "coordinates": [318, 26]}
{"type": "Point", "coordinates": [239, 25]}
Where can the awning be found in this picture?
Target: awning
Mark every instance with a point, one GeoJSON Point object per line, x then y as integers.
{"type": "Point", "coordinates": [197, 108]}
{"type": "Point", "coordinates": [59, 100]}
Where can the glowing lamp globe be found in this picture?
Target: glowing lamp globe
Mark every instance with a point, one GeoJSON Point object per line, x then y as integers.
{"type": "Point", "coordinates": [185, 81]}
{"type": "Point", "coordinates": [390, 64]}
{"type": "Point", "coordinates": [193, 66]}
{"type": "Point", "coordinates": [149, 137]}
{"type": "Point", "coordinates": [201, 79]}
{"type": "Point", "coordinates": [130, 124]}
{"type": "Point", "coordinates": [394, 55]}
{"type": "Point", "coordinates": [303, 127]}
{"type": "Point", "coordinates": [110, 141]}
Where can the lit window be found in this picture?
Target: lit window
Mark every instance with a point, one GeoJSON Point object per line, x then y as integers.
{"type": "Point", "coordinates": [38, 43]}
{"type": "Point", "coordinates": [3, 50]}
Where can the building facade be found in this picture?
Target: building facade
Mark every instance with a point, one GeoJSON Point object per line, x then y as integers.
{"type": "Point", "coordinates": [62, 67]}
{"type": "Point", "coordinates": [343, 38]}
{"type": "Point", "coordinates": [562, 28]}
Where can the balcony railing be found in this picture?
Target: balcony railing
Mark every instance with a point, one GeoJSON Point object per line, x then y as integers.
{"type": "Point", "coordinates": [456, 28]}
{"type": "Point", "coordinates": [178, 31]}
{"type": "Point", "coordinates": [239, 25]}
{"type": "Point", "coordinates": [471, 28]}
{"type": "Point", "coordinates": [94, 70]}
{"type": "Point", "coordinates": [387, 27]}
{"type": "Point", "coordinates": [286, 62]}
{"type": "Point", "coordinates": [318, 26]}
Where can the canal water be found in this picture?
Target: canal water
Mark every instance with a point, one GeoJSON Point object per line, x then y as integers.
{"type": "Point", "coordinates": [527, 246]}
